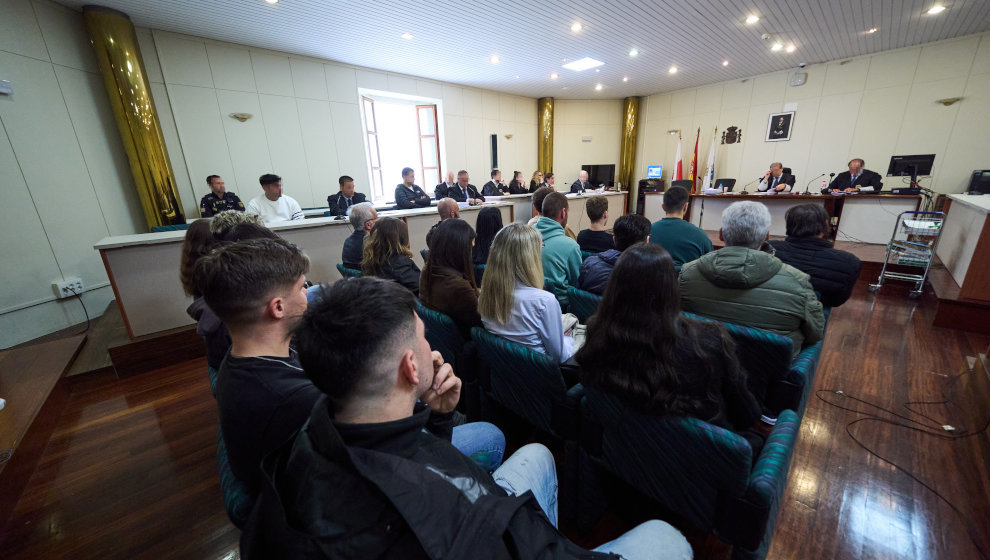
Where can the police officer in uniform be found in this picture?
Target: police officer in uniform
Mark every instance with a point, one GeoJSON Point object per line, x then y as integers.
{"type": "Point", "coordinates": [219, 199]}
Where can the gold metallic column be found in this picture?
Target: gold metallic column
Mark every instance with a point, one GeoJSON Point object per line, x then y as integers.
{"type": "Point", "coordinates": [112, 35]}
{"type": "Point", "coordinates": [627, 148]}
{"type": "Point", "coordinates": [544, 152]}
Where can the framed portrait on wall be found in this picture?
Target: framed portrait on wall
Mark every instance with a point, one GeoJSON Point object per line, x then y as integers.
{"type": "Point", "coordinates": [779, 127]}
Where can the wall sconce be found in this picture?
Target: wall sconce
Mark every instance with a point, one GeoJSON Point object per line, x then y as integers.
{"type": "Point", "coordinates": [949, 100]}
{"type": "Point", "coordinates": [673, 132]}
{"type": "Point", "coordinates": [241, 116]}
{"type": "Point", "coordinates": [508, 137]}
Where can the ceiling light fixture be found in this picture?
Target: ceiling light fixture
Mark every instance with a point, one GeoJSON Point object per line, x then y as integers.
{"type": "Point", "coordinates": [777, 46]}
{"type": "Point", "coordinates": [272, 1]}
{"type": "Point", "coordinates": [673, 70]}
{"type": "Point", "coordinates": [599, 87]}
{"type": "Point", "coordinates": [936, 9]}
{"type": "Point", "coordinates": [585, 63]}
{"type": "Point", "coordinates": [871, 30]}
{"type": "Point", "coordinates": [752, 19]}
{"type": "Point", "coordinates": [625, 78]}
{"type": "Point", "coordinates": [576, 27]}
{"type": "Point", "coordinates": [790, 48]}
{"type": "Point", "coordinates": [633, 52]}
{"type": "Point", "coordinates": [553, 75]}
{"type": "Point", "coordinates": [517, 76]}
{"type": "Point", "coordinates": [725, 63]}
{"type": "Point", "coordinates": [494, 59]}
{"type": "Point", "coordinates": [404, 35]}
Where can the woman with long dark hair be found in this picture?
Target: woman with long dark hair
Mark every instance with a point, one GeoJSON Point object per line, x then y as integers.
{"type": "Point", "coordinates": [386, 254]}
{"type": "Point", "coordinates": [642, 349]}
{"type": "Point", "coordinates": [489, 223]}
{"type": "Point", "coordinates": [447, 283]}
{"type": "Point", "coordinates": [517, 186]}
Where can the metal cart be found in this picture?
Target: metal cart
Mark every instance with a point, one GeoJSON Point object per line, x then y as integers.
{"type": "Point", "coordinates": [912, 244]}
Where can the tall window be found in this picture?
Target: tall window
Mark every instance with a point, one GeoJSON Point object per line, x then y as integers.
{"type": "Point", "coordinates": [400, 132]}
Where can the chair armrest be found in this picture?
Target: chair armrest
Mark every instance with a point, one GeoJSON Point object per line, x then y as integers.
{"type": "Point", "coordinates": [567, 415]}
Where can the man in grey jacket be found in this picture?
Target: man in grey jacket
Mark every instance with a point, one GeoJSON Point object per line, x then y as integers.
{"type": "Point", "coordinates": [745, 285]}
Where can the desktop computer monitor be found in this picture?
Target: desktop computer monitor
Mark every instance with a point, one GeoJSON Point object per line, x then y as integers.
{"type": "Point", "coordinates": [980, 182]}
{"type": "Point", "coordinates": [600, 174]}
{"type": "Point", "coordinates": [654, 171]}
{"type": "Point", "coordinates": [911, 166]}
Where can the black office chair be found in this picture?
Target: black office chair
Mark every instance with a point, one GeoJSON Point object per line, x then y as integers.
{"type": "Point", "coordinates": [726, 184]}
{"type": "Point", "coordinates": [686, 183]}
{"type": "Point", "coordinates": [788, 171]}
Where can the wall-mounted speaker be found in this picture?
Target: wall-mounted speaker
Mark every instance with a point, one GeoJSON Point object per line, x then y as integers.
{"type": "Point", "coordinates": [494, 151]}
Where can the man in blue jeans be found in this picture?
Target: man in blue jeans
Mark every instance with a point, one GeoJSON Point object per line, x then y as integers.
{"type": "Point", "coordinates": [373, 474]}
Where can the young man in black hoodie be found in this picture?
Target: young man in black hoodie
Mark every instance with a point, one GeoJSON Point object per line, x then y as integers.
{"type": "Point", "coordinates": [373, 473]}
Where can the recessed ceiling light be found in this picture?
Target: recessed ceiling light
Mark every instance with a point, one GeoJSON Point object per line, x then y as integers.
{"type": "Point", "coordinates": [725, 63]}
{"type": "Point", "coordinates": [517, 76]}
{"type": "Point", "coordinates": [673, 70]}
{"type": "Point", "coordinates": [494, 59]}
{"type": "Point", "coordinates": [599, 87]}
{"type": "Point", "coordinates": [576, 27]}
{"type": "Point", "coordinates": [871, 30]}
{"type": "Point", "coordinates": [553, 75]}
{"type": "Point", "coordinates": [585, 63]}
{"type": "Point", "coordinates": [404, 35]}
{"type": "Point", "coordinates": [752, 19]}
{"type": "Point", "coordinates": [936, 9]}
{"type": "Point", "coordinates": [598, 70]}
{"type": "Point", "coordinates": [777, 46]}
{"type": "Point", "coordinates": [790, 48]}
{"type": "Point", "coordinates": [625, 78]}
{"type": "Point", "coordinates": [633, 52]}
{"type": "Point", "coordinates": [272, 1]}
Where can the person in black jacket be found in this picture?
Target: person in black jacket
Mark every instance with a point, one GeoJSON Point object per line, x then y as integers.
{"type": "Point", "coordinates": [669, 364]}
{"type": "Point", "coordinates": [408, 195]}
{"type": "Point", "coordinates": [386, 254]}
{"type": "Point", "coordinates": [833, 272]}
{"type": "Point", "coordinates": [440, 191]}
{"type": "Point", "coordinates": [856, 179]}
{"type": "Point", "coordinates": [776, 180]}
{"type": "Point", "coordinates": [495, 187]}
{"type": "Point", "coordinates": [373, 473]}
{"type": "Point", "coordinates": [341, 202]}
{"type": "Point", "coordinates": [464, 191]}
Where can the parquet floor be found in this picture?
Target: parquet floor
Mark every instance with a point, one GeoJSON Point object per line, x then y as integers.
{"type": "Point", "coordinates": [130, 471]}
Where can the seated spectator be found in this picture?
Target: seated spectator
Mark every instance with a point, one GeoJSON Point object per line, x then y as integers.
{"type": "Point", "coordinates": [683, 240]}
{"type": "Point", "coordinates": [373, 473]}
{"type": "Point", "coordinates": [409, 195]}
{"type": "Point", "coordinates": [447, 283]}
{"type": "Point", "coordinates": [489, 223]}
{"type": "Point", "coordinates": [538, 196]}
{"type": "Point", "coordinates": [341, 202]}
{"type": "Point", "coordinates": [447, 208]}
{"type": "Point", "coordinates": [263, 396]}
{"type": "Point", "coordinates": [744, 285]}
{"type": "Point", "coordinates": [596, 269]}
{"type": "Point", "coordinates": [561, 255]}
{"type": "Point", "coordinates": [273, 206]}
{"type": "Point", "coordinates": [833, 272]}
{"type": "Point", "coordinates": [386, 254]}
{"type": "Point", "coordinates": [363, 217]}
{"type": "Point", "coordinates": [595, 239]}
{"type": "Point", "coordinates": [513, 303]}
{"type": "Point", "coordinates": [668, 364]}
{"type": "Point", "coordinates": [221, 223]}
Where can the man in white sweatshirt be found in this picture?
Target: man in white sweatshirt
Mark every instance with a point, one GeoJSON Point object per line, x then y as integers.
{"type": "Point", "coordinates": [274, 206]}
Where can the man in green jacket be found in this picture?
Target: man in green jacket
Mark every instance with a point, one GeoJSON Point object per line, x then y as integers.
{"type": "Point", "coordinates": [744, 285]}
{"type": "Point", "coordinates": [561, 254]}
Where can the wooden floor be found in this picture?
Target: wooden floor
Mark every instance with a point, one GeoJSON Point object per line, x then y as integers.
{"type": "Point", "coordinates": [130, 470]}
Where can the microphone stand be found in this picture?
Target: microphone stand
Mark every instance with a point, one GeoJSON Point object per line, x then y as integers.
{"type": "Point", "coordinates": [744, 191]}
{"type": "Point", "coordinates": [808, 186]}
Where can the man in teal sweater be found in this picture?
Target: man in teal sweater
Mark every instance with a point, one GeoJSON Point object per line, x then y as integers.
{"type": "Point", "coordinates": [561, 255]}
{"type": "Point", "coordinates": [683, 240]}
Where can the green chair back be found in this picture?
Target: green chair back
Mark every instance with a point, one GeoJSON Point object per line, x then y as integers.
{"type": "Point", "coordinates": [581, 303]}
{"type": "Point", "coordinates": [347, 272]}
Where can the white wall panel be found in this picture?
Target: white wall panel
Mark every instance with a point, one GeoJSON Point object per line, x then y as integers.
{"type": "Point", "coordinates": [454, 132]}
{"type": "Point", "coordinates": [878, 126]}
{"type": "Point", "coordinates": [489, 105]}
{"type": "Point", "coordinates": [183, 62]}
{"type": "Point", "coordinates": [272, 74]}
{"type": "Point", "coordinates": [341, 83]}
{"type": "Point", "coordinates": [892, 69]}
{"type": "Point", "coordinates": [426, 88]}
{"type": "Point", "coordinates": [247, 142]}
{"type": "Point", "coordinates": [812, 87]}
{"type": "Point", "coordinates": [472, 104]}
{"type": "Point", "coordinates": [401, 84]}
{"type": "Point", "coordinates": [19, 30]}
{"type": "Point", "coordinates": [981, 64]}
{"type": "Point", "coordinates": [203, 141]}
{"type": "Point", "coordinates": [65, 37]}
{"type": "Point", "coordinates": [308, 79]}
{"type": "Point", "coordinates": [846, 76]}
{"type": "Point", "coordinates": [231, 68]}
{"type": "Point", "coordinates": [372, 80]}
{"type": "Point", "coordinates": [149, 55]}
{"type": "Point", "coordinates": [967, 148]}
{"type": "Point", "coordinates": [320, 148]}
{"type": "Point", "coordinates": [941, 61]}
{"type": "Point", "coordinates": [452, 100]}
{"type": "Point", "coordinates": [288, 156]}
{"type": "Point", "coordinates": [349, 138]}
{"type": "Point", "coordinates": [188, 195]}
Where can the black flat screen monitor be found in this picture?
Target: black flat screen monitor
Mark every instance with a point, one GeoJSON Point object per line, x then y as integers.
{"type": "Point", "coordinates": [980, 183]}
{"type": "Point", "coordinates": [600, 174]}
{"type": "Point", "coordinates": [911, 166]}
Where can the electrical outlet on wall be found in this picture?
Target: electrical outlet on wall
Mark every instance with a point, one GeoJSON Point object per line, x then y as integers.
{"type": "Point", "coordinates": [67, 288]}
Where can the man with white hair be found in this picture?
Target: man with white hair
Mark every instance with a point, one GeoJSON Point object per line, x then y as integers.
{"type": "Point", "coordinates": [582, 183]}
{"type": "Point", "coordinates": [743, 284]}
{"type": "Point", "coordinates": [363, 217]}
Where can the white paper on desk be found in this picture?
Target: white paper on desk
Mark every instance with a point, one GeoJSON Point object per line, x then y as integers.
{"type": "Point", "coordinates": [866, 189]}
{"type": "Point", "coordinates": [763, 193]}
{"type": "Point", "coordinates": [713, 191]}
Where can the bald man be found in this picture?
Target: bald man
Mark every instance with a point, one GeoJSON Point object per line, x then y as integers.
{"type": "Point", "coordinates": [582, 183]}
{"type": "Point", "coordinates": [447, 208]}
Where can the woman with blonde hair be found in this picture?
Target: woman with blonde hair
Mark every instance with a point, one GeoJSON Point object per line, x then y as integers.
{"type": "Point", "coordinates": [536, 181]}
{"type": "Point", "coordinates": [513, 304]}
{"type": "Point", "coordinates": [386, 254]}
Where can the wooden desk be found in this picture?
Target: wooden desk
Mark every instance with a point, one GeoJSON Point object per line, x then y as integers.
{"type": "Point", "coordinates": [865, 218]}
{"type": "Point", "coordinates": [964, 246]}
{"type": "Point", "coordinates": [144, 268]}
{"type": "Point", "coordinates": [522, 206]}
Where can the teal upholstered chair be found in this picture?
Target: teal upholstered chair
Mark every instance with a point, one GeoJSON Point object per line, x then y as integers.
{"type": "Point", "coordinates": [347, 272]}
{"type": "Point", "coordinates": [479, 273]}
{"type": "Point", "coordinates": [444, 337]}
{"type": "Point", "coordinates": [169, 227]}
{"type": "Point", "coordinates": [425, 253]}
{"type": "Point", "coordinates": [529, 384]}
{"type": "Point", "coordinates": [699, 473]}
{"type": "Point", "coordinates": [581, 303]}
{"type": "Point", "coordinates": [237, 499]}
{"type": "Point", "coordinates": [586, 254]}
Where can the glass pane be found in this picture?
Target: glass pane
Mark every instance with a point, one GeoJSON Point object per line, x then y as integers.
{"type": "Point", "coordinates": [378, 189]}
{"type": "Point", "coordinates": [426, 124]}
{"type": "Point", "coordinates": [373, 150]}
{"type": "Point", "coordinates": [369, 115]}
{"type": "Point", "coordinates": [432, 176]}
{"type": "Point", "coordinates": [429, 147]}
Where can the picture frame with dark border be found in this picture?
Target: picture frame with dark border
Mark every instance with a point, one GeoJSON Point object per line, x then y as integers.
{"type": "Point", "coordinates": [780, 126]}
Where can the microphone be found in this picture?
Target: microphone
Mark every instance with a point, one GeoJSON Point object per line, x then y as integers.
{"type": "Point", "coordinates": [808, 186]}
{"type": "Point", "coordinates": [744, 191]}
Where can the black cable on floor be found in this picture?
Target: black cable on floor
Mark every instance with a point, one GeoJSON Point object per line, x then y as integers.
{"type": "Point", "coordinates": [79, 296]}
